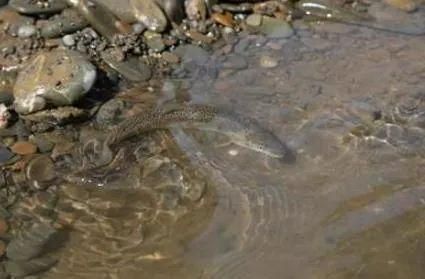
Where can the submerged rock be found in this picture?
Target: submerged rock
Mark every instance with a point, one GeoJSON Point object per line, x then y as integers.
{"type": "Point", "coordinates": [58, 116]}
{"type": "Point", "coordinates": [59, 78]}
{"type": "Point", "coordinates": [109, 112]}
{"type": "Point", "coordinates": [404, 5]}
{"type": "Point", "coordinates": [40, 169]}
{"type": "Point", "coordinates": [131, 68]}
{"type": "Point", "coordinates": [31, 243]}
{"type": "Point", "coordinates": [23, 148]}
{"type": "Point", "coordinates": [275, 28]}
{"type": "Point", "coordinates": [19, 269]}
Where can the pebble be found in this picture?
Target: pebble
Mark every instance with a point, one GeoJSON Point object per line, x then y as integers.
{"type": "Point", "coordinates": [40, 169]}
{"type": "Point", "coordinates": [268, 62]}
{"type": "Point", "coordinates": [170, 57]}
{"type": "Point", "coordinates": [192, 54]}
{"type": "Point", "coordinates": [7, 81]}
{"type": "Point", "coordinates": [275, 28]}
{"type": "Point", "coordinates": [254, 20]}
{"type": "Point", "coordinates": [150, 14]}
{"type": "Point", "coordinates": [33, 7]}
{"type": "Point", "coordinates": [138, 28]}
{"type": "Point", "coordinates": [42, 142]}
{"type": "Point", "coordinates": [223, 19]}
{"type": "Point", "coordinates": [68, 40]}
{"type": "Point", "coordinates": [59, 77]}
{"type": "Point", "coordinates": [5, 154]}
{"type": "Point", "coordinates": [235, 62]}
{"type": "Point", "coordinates": [68, 21]}
{"type": "Point", "coordinates": [110, 111]}
{"type": "Point", "coordinates": [154, 41]}
{"type": "Point", "coordinates": [195, 9]}
{"type": "Point", "coordinates": [132, 68]}
{"type": "Point", "coordinates": [26, 31]}
{"type": "Point", "coordinates": [4, 116]}
{"type": "Point", "coordinates": [23, 148]}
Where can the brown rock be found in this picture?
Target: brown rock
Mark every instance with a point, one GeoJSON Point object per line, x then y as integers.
{"type": "Point", "coordinates": [196, 9]}
{"type": "Point", "coordinates": [3, 227]}
{"type": "Point", "coordinates": [225, 19]}
{"type": "Point", "coordinates": [199, 37]}
{"type": "Point", "coordinates": [2, 248]}
{"type": "Point", "coordinates": [404, 5]}
{"type": "Point", "coordinates": [23, 148]}
{"type": "Point", "coordinates": [170, 57]}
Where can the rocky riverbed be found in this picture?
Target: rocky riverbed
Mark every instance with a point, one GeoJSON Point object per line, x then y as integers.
{"type": "Point", "coordinates": [338, 83]}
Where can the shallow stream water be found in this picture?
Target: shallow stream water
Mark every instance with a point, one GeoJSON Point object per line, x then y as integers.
{"type": "Point", "coordinates": [350, 101]}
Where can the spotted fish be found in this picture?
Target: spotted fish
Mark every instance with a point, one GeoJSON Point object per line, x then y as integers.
{"type": "Point", "coordinates": [242, 131]}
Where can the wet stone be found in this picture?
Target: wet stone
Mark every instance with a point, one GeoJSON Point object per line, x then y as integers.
{"type": "Point", "coordinates": [5, 154]}
{"type": "Point", "coordinates": [404, 5]}
{"type": "Point", "coordinates": [41, 169]}
{"type": "Point", "coordinates": [30, 243]}
{"type": "Point", "coordinates": [7, 81]}
{"type": "Point", "coordinates": [174, 9]}
{"type": "Point", "coordinates": [58, 116]}
{"type": "Point", "coordinates": [268, 62]}
{"type": "Point", "coordinates": [67, 22]}
{"type": "Point", "coordinates": [31, 7]}
{"type": "Point", "coordinates": [43, 144]}
{"type": "Point", "coordinates": [275, 28]}
{"type": "Point", "coordinates": [192, 54]}
{"type": "Point", "coordinates": [68, 40]}
{"type": "Point", "coordinates": [154, 41]}
{"type": "Point", "coordinates": [4, 116]}
{"type": "Point", "coordinates": [235, 62]}
{"type": "Point", "coordinates": [2, 248]}
{"type": "Point", "coordinates": [110, 111]}
{"type": "Point", "coordinates": [150, 14]}
{"type": "Point", "coordinates": [26, 31]}
{"type": "Point", "coordinates": [58, 77]}
{"type": "Point", "coordinates": [132, 68]}
{"type": "Point", "coordinates": [170, 57]}
{"type": "Point", "coordinates": [223, 19]}
{"type": "Point", "coordinates": [196, 9]}
{"type": "Point", "coordinates": [4, 227]}
{"type": "Point", "coordinates": [23, 148]}
{"type": "Point", "coordinates": [19, 269]}
{"type": "Point", "coordinates": [102, 19]}
{"type": "Point", "coordinates": [254, 20]}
